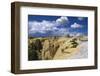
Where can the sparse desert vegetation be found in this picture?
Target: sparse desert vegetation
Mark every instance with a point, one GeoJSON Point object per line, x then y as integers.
{"type": "Point", "coordinates": [52, 48]}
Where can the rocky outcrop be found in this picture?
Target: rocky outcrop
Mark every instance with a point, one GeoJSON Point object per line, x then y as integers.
{"type": "Point", "coordinates": [49, 49]}
{"type": "Point", "coordinates": [46, 48]}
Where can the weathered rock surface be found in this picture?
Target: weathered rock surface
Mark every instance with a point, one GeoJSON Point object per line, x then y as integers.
{"type": "Point", "coordinates": [51, 47]}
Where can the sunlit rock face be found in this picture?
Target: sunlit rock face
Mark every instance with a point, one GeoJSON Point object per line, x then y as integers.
{"type": "Point", "coordinates": [52, 48]}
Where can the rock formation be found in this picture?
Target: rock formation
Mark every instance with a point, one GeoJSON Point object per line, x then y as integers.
{"type": "Point", "coordinates": [46, 48]}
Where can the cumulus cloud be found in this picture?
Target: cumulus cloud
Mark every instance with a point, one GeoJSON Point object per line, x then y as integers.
{"type": "Point", "coordinates": [62, 20]}
{"type": "Point", "coordinates": [75, 34]}
{"type": "Point", "coordinates": [44, 26]}
{"type": "Point", "coordinates": [75, 25]}
{"type": "Point", "coordinates": [61, 31]}
{"type": "Point", "coordinates": [79, 34]}
{"type": "Point", "coordinates": [80, 18]}
{"type": "Point", "coordinates": [53, 28]}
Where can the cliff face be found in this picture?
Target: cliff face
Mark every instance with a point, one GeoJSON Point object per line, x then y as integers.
{"type": "Point", "coordinates": [51, 47]}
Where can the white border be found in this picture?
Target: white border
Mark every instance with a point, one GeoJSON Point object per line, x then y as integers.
{"type": "Point", "coordinates": [25, 64]}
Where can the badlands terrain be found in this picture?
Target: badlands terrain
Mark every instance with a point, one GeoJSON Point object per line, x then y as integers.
{"type": "Point", "coordinates": [54, 48]}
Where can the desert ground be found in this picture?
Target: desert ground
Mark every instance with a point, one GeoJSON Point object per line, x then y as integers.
{"type": "Point", "coordinates": [55, 48]}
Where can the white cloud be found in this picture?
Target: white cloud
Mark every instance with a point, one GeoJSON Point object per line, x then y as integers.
{"type": "Point", "coordinates": [44, 26]}
{"type": "Point", "coordinates": [41, 27]}
{"type": "Point", "coordinates": [75, 25]}
{"type": "Point", "coordinates": [80, 18]}
{"type": "Point", "coordinates": [75, 34]}
{"type": "Point", "coordinates": [62, 20]}
{"type": "Point", "coordinates": [79, 34]}
{"type": "Point", "coordinates": [61, 32]}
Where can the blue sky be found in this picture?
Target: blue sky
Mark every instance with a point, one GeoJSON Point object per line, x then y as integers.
{"type": "Point", "coordinates": [42, 25]}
